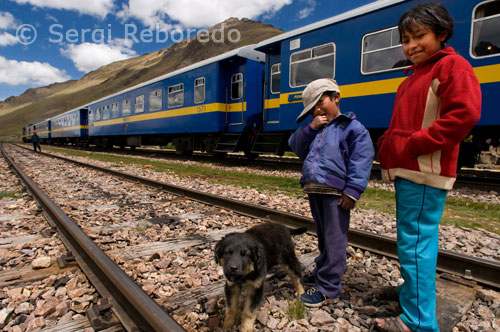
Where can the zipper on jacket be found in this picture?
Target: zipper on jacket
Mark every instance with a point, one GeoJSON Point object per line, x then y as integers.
{"type": "Point", "coordinates": [317, 155]}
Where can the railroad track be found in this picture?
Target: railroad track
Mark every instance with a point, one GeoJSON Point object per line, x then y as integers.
{"type": "Point", "coordinates": [452, 265]}
{"type": "Point", "coordinates": [135, 309]}
{"type": "Point", "coordinates": [485, 180]}
{"type": "Point", "coordinates": [482, 271]}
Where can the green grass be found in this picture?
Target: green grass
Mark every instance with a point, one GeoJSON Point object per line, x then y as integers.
{"type": "Point", "coordinates": [10, 194]}
{"type": "Point", "coordinates": [458, 212]}
{"type": "Point", "coordinates": [463, 213]}
{"type": "Point", "coordinates": [296, 309]}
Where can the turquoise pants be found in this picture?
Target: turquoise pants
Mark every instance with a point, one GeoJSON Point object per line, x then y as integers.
{"type": "Point", "coordinates": [418, 211]}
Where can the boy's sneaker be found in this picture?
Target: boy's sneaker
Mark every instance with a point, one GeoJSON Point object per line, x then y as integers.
{"type": "Point", "coordinates": [313, 298]}
{"type": "Point", "coordinates": [308, 279]}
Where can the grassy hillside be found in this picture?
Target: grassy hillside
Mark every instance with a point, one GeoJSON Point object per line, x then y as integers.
{"type": "Point", "coordinates": [35, 105]}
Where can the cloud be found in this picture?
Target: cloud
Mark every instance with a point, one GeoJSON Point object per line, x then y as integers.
{"type": "Point", "coordinates": [99, 8]}
{"type": "Point", "coordinates": [90, 56]}
{"type": "Point", "coordinates": [197, 13]}
{"type": "Point", "coordinates": [311, 6]}
{"type": "Point", "coordinates": [13, 72]}
{"type": "Point", "coordinates": [7, 21]}
{"type": "Point", "coordinates": [7, 39]}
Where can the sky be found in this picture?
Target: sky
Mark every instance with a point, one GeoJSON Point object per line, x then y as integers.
{"type": "Point", "coordinates": [48, 41]}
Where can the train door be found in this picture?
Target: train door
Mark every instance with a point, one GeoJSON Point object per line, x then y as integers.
{"type": "Point", "coordinates": [272, 92]}
{"type": "Point", "coordinates": [235, 105]}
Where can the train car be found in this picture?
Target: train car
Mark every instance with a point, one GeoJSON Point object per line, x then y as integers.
{"type": "Point", "coordinates": [70, 127]}
{"type": "Point", "coordinates": [214, 105]}
{"type": "Point", "coordinates": [27, 132]}
{"type": "Point", "coordinates": [43, 131]}
{"type": "Point", "coordinates": [361, 50]}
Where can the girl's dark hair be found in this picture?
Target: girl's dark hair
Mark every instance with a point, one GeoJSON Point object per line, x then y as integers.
{"type": "Point", "coordinates": [432, 15]}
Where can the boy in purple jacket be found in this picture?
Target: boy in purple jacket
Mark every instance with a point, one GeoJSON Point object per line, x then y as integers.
{"type": "Point", "coordinates": [338, 154]}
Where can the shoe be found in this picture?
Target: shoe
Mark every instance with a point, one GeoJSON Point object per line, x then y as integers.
{"type": "Point", "coordinates": [308, 279]}
{"type": "Point", "coordinates": [313, 298]}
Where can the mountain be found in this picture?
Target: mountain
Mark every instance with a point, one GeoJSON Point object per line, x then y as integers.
{"type": "Point", "coordinates": [41, 103]}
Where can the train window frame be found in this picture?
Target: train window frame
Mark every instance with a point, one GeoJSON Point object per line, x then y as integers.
{"type": "Point", "coordinates": [395, 43]}
{"type": "Point", "coordinates": [97, 114]}
{"type": "Point", "coordinates": [303, 57]}
{"type": "Point", "coordinates": [173, 92]}
{"type": "Point", "coordinates": [198, 84]}
{"type": "Point", "coordinates": [115, 110]}
{"type": "Point", "coordinates": [154, 97]}
{"type": "Point", "coordinates": [237, 83]}
{"type": "Point", "coordinates": [271, 80]}
{"type": "Point", "coordinates": [140, 109]}
{"type": "Point", "coordinates": [129, 108]}
{"type": "Point", "coordinates": [105, 112]}
{"type": "Point", "coordinates": [474, 23]}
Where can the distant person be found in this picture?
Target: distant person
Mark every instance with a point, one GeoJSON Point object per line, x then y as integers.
{"type": "Point", "coordinates": [338, 154]}
{"type": "Point", "coordinates": [435, 109]}
{"type": "Point", "coordinates": [35, 139]}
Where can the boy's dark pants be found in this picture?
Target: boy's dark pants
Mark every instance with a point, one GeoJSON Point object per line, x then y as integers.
{"type": "Point", "coordinates": [332, 226]}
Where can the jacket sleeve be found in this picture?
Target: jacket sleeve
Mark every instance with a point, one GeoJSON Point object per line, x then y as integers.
{"type": "Point", "coordinates": [360, 162]}
{"type": "Point", "coordinates": [460, 96]}
{"type": "Point", "coordinates": [301, 139]}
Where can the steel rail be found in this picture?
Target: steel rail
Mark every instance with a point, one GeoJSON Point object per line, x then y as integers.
{"type": "Point", "coordinates": [135, 309]}
{"type": "Point", "coordinates": [466, 178]}
{"type": "Point", "coordinates": [483, 271]}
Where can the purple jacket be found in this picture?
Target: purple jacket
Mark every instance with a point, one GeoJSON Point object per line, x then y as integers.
{"type": "Point", "coordinates": [339, 154]}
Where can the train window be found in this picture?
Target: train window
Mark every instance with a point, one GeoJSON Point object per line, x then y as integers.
{"type": "Point", "coordinates": [105, 112]}
{"type": "Point", "coordinates": [155, 100]}
{"type": "Point", "coordinates": [311, 64]}
{"type": "Point", "coordinates": [139, 104]}
{"type": "Point", "coordinates": [486, 30]}
{"type": "Point", "coordinates": [98, 114]}
{"type": "Point", "coordinates": [275, 78]}
{"type": "Point", "coordinates": [237, 86]}
{"type": "Point", "coordinates": [176, 95]}
{"type": "Point", "coordinates": [382, 52]}
{"type": "Point", "coordinates": [199, 90]}
{"type": "Point", "coordinates": [114, 110]}
{"type": "Point", "coordinates": [126, 107]}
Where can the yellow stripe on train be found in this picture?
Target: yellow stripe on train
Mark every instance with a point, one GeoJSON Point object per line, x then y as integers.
{"type": "Point", "coordinates": [58, 130]}
{"type": "Point", "coordinates": [485, 74]}
{"type": "Point", "coordinates": [207, 108]}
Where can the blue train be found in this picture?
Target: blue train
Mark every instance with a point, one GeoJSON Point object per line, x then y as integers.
{"type": "Point", "coordinates": [248, 99]}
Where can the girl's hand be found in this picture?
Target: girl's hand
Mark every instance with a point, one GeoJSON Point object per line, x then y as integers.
{"type": "Point", "coordinates": [346, 202]}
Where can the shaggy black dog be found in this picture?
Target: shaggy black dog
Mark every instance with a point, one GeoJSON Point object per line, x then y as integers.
{"type": "Point", "coordinates": [246, 258]}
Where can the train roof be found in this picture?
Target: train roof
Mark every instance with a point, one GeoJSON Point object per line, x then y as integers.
{"type": "Point", "coordinates": [248, 52]}
{"type": "Point", "coordinates": [67, 112]}
{"type": "Point", "coordinates": [373, 6]}
{"type": "Point", "coordinates": [43, 121]}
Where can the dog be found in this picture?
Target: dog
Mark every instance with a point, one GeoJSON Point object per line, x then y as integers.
{"type": "Point", "coordinates": [246, 258]}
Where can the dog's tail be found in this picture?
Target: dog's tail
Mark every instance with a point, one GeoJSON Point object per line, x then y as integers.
{"type": "Point", "coordinates": [298, 231]}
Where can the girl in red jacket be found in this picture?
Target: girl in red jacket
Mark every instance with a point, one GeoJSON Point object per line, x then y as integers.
{"type": "Point", "coordinates": [435, 109]}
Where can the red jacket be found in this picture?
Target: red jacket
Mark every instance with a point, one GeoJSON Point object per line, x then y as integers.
{"type": "Point", "coordinates": [435, 109]}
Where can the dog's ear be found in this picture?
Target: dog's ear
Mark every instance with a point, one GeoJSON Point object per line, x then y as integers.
{"type": "Point", "coordinates": [218, 251]}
